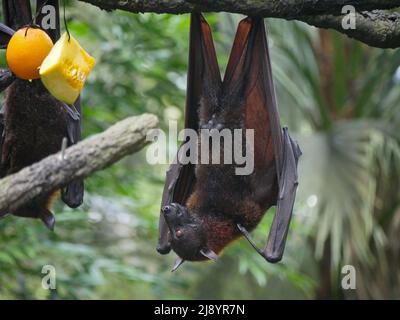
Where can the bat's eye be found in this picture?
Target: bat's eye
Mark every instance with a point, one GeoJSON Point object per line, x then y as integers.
{"type": "Point", "coordinates": [179, 233]}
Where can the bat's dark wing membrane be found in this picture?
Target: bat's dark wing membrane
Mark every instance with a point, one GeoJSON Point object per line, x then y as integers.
{"type": "Point", "coordinates": [6, 32]}
{"type": "Point", "coordinates": [203, 72]}
{"type": "Point", "coordinates": [249, 77]}
{"type": "Point", "coordinates": [72, 194]}
{"type": "Point", "coordinates": [287, 154]}
{"type": "Point", "coordinates": [6, 78]}
{"type": "Point", "coordinates": [1, 138]}
{"type": "Point", "coordinates": [5, 35]}
{"type": "Point", "coordinates": [287, 194]}
{"type": "Point", "coordinates": [17, 13]}
{"type": "Point", "coordinates": [250, 67]}
{"type": "Point", "coordinates": [13, 19]}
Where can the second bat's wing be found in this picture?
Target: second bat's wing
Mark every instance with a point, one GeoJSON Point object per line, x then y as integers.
{"type": "Point", "coordinates": [17, 13]}
{"type": "Point", "coordinates": [72, 194]}
{"type": "Point", "coordinates": [250, 68]}
{"type": "Point", "coordinates": [1, 134]}
{"type": "Point", "coordinates": [5, 35]}
{"type": "Point", "coordinates": [203, 74]}
{"type": "Point", "coordinates": [287, 193]}
{"type": "Point", "coordinates": [6, 78]}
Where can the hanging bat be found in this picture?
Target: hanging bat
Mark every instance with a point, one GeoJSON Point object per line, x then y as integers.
{"type": "Point", "coordinates": [206, 206]}
{"type": "Point", "coordinates": [33, 123]}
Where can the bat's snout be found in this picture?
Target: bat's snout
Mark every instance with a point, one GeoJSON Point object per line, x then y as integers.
{"type": "Point", "coordinates": [172, 210]}
{"type": "Point", "coordinates": [170, 214]}
{"type": "Point", "coordinates": [175, 214]}
{"type": "Point", "coordinates": [166, 210]}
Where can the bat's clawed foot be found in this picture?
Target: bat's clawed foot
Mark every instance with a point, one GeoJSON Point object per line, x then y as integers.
{"type": "Point", "coordinates": [272, 258]}
{"type": "Point", "coordinates": [212, 124]}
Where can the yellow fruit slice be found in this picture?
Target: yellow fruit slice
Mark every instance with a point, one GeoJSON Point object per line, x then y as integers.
{"type": "Point", "coordinates": [64, 71]}
{"type": "Point", "coordinates": [26, 50]}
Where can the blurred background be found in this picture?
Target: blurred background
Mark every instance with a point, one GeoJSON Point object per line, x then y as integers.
{"type": "Point", "coordinates": [339, 99]}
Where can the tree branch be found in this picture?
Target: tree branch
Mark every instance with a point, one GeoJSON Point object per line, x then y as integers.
{"type": "Point", "coordinates": [375, 29]}
{"type": "Point", "coordinates": [287, 9]}
{"type": "Point", "coordinates": [80, 161]}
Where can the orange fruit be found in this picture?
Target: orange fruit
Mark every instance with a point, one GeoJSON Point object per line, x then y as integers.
{"type": "Point", "coordinates": [26, 52]}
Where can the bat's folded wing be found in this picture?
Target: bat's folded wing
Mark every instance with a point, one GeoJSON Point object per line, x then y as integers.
{"type": "Point", "coordinates": [17, 13]}
{"type": "Point", "coordinates": [72, 194]}
{"type": "Point", "coordinates": [1, 137]}
{"type": "Point", "coordinates": [249, 77]}
{"type": "Point", "coordinates": [6, 78]}
{"type": "Point", "coordinates": [287, 193]}
{"type": "Point", "coordinates": [5, 35]}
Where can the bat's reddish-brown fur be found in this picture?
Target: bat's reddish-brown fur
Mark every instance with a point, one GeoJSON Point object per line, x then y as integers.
{"type": "Point", "coordinates": [220, 198]}
{"type": "Point", "coordinates": [206, 206]}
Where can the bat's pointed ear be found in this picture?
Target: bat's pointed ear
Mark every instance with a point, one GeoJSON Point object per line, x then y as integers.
{"type": "Point", "coordinates": [208, 253]}
{"type": "Point", "coordinates": [177, 264]}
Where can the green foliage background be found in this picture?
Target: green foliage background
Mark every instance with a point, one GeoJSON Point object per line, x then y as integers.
{"type": "Point", "coordinates": [347, 209]}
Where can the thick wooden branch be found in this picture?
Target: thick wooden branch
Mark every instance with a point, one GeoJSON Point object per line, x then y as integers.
{"type": "Point", "coordinates": [79, 161]}
{"type": "Point", "coordinates": [267, 8]}
{"type": "Point", "coordinates": [375, 29]}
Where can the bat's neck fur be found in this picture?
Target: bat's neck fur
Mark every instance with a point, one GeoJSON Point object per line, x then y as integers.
{"type": "Point", "coordinates": [220, 222]}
